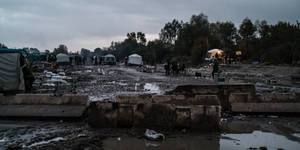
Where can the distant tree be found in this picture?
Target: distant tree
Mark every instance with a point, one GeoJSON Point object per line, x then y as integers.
{"type": "Point", "coordinates": [199, 50]}
{"type": "Point", "coordinates": [247, 29]}
{"type": "Point", "coordinates": [47, 51]}
{"type": "Point", "coordinates": [170, 31]}
{"type": "Point", "coordinates": [228, 33]}
{"type": "Point", "coordinates": [141, 38]}
{"type": "Point", "coordinates": [85, 52]}
{"type": "Point", "coordinates": [61, 49]}
{"type": "Point", "coordinates": [2, 46]}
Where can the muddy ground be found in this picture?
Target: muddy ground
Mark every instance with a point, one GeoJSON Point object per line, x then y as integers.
{"type": "Point", "coordinates": [103, 83]}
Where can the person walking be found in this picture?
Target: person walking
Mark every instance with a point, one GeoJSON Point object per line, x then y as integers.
{"type": "Point", "coordinates": [100, 61]}
{"type": "Point", "coordinates": [215, 68]}
{"type": "Point", "coordinates": [96, 60]}
{"type": "Point", "coordinates": [118, 62]}
{"type": "Point", "coordinates": [167, 67]}
{"type": "Point", "coordinates": [126, 61]}
{"type": "Point", "coordinates": [174, 65]}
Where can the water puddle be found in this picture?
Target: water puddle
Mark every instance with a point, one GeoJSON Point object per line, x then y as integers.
{"type": "Point", "coordinates": [257, 139]}
{"type": "Point", "coordinates": [254, 140]}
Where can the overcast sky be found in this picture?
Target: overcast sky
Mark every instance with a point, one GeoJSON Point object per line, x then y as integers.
{"type": "Point", "coordinates": [45, 24]}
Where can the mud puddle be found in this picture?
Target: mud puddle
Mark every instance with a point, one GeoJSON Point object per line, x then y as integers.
{"type": "Point", "coordinates": [254, 140]}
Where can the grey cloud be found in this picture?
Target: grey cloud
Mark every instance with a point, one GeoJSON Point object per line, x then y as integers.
{"type": "Point", "coordinates": [49, 23]}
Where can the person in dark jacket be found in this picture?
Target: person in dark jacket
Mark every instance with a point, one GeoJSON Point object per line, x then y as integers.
{"type": "Point", "coordinates": [174, 65]}
{"type": "Point", "coordinates": [167, 67]}
{"type": "Point", "coordinates": [215, 68]}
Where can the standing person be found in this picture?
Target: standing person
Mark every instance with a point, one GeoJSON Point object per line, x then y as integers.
{"type": "Point", "coordinates": [167, 67]}
{"type": "Point", "coordinates": [182, 68]}
{"type": "Point", "coordinates": [100, 60]}
{"type": "Point", "coordinates": [83, 60]}
{"type": "Point", "coordinates": [79, 61]}
{"type": "Point", "coordinates": [174, 65]}
{"type": "Point", "coordinates": [96, 60]}
{"type": "Point", "coordinates": [118, 62]}
{"type": "Point", "coordinates": [215, 68]}
{"type": "Point", "coordinates": [28, 77]}
{"type": "Point", "coordinates": [71, 60]}
{"type": "Point", "coordinates": [126, 61]}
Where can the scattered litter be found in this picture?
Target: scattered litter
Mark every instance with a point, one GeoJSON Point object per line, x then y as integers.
{"type": "Point", "coordinates": [261, 116]}
{"type": "Point", "coordinates": [270, 122]}
{"type": "Point", "coordinates": [223, 120]}
{"type": "Point", "coordinates": [81, 135]}
{"type": "Point", "coordinates": [271, 116]}
{"type": "Point", "coordinates": [61, 121]}
{"type": "Point", "coordinates": [241, 118]}
{"type": "Point", "coordinates": [152, 135]}
{"type": "Point", "coordinates": [119, 139]}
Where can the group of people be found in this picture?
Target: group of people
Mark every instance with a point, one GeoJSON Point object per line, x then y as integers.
{"type": "Point", "coordinates": [176, 68]}
{"type": "Point", "coordinates": [50, 58]}
{"type": "Point", "coordinates": [96, 59]}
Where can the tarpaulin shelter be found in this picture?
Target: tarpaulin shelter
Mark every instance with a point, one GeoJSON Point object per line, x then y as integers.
{"type": "Point", "coordinates": [63, 59]}
{"type": "Point", "coordinates": [135, 60]}
{"type": "Point", "coordinates": [211, 53]}
{"type": "Point", "coordinates": [11, 74]}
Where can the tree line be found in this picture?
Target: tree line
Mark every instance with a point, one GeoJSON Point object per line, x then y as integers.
{"type": "Point", "coordinates": [188, 42]}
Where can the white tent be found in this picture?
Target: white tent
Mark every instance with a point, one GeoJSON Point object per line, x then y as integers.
{"type": "Point", "coordinates": [63, 59]}
{"type": "Point", "coordinates": [215, 51]}
{"type": "Point", "coordinates": [135, 60]}
{"type": "Point", "coordinates": [211, 53]}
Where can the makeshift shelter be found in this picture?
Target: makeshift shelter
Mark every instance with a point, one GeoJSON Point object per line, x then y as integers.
{"type": "Point", "coordinates": [109, 59]}
{"type": "Point", "coordinates": [211, 54]}
{"type": "Point", "coordinates": [63, 59]}
{"type": "Point", "coordinates": [135, 60]}
{"type": "Point", "coordinates": [11, 74]}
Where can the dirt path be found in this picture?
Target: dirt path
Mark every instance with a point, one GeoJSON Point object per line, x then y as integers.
{"type": "Point", "coordinates": [104, 83]}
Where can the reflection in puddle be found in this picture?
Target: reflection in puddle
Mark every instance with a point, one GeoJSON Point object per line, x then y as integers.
{"type": "Point", "coordinates": [255, 140]}
{"type": "Point", "coordinates": [169, 143]}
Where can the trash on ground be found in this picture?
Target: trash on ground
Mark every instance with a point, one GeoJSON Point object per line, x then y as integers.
{"type": "Point", "coordinates": [152, 135]}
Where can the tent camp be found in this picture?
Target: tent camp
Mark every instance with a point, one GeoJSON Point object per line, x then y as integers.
{"type": "Point", "coordinates": [11, 74]}
{"type": "Point", "coordinates": [109, 59]}
{"type": "Point", "coordinates": [211, 54]}
{"type": "Point", "coordinates": [135, 60]}
{"type": "Point", "coordinates": [63, 59]}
